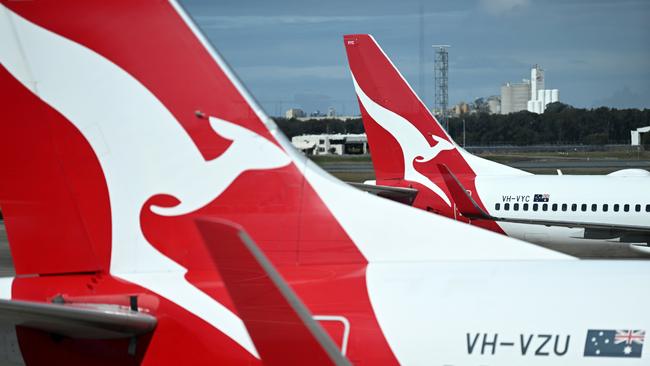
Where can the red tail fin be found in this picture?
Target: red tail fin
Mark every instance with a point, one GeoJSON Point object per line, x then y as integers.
{"type": "Point", "coordinates": [124, 142]}
{"type": "Point", "coordinates": [398, 124]}
{"type": "Point", "coordinates": [95, 109]}
{"type": "Point", "coordinates": [402, 133]}
{"type": "Point", "coordinates": [406, 142]}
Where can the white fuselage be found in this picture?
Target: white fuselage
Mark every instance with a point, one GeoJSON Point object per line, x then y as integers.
{"type": "Point", "coordinates": [509, 313]}
{"type": "Point", "coordinates": [612, 200]}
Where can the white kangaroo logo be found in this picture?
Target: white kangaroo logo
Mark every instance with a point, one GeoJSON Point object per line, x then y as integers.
{"type": "Point", "coordinates": [415, 146]}
{"type": "Point", "coordinates": [248, 151]}
{"type": "Point", "coordinates": [143, 151]}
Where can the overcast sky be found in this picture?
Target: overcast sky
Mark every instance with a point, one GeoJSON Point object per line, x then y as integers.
{"type": "Point", "coordinates": [290, 53]}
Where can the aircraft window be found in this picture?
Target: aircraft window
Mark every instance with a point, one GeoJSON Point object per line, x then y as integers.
{"type": "Point", "coordinates": [605, 207]}
{"type": "Point", "coordinates": [647, 208]}
{"type": "Point", "coordinates": [637, 208]}
{"type": "Point", "coordinates": [526, 206]}
{"type": "Point", "coordinates": [515, 207]}
{"type": "Point", "coordinates": [545, 207]}
{"type": "Point", "coordinates": [626, 207]}
{"type": "Point", "coordinates": [554, 207]}
{"type": "Point", "coordinates": [535, 206]}
{"type": "Point", "coordinates": [583, 207]}
{"type": "Point", "coordinates": [594, 207]}
{"type": "Point", "coordinates": [616, 207]}
{"type": "Point", "coordinates": [497, 206]}
{"type": "Point", "coordinates": [564, 207]}
{"type": "Point", "coordinates": [506, 206]}
{"type": "Point", "coordinates": [574, 207]}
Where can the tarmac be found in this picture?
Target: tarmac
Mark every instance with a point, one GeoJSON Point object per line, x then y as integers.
{"type": "Point", "coordinates": [533, 166]}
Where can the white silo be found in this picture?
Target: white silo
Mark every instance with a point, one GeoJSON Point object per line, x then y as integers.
{"type": "Point", "coordinates": [540, 96]}
{"type": "Point", "coordinates": [539, 106]}
{"type": "Point", "coordinates": [555, 95]}
{"type": "Point", "coordinates": [530, 106]}
{"type": "Point", "coordinates": [547, 96]}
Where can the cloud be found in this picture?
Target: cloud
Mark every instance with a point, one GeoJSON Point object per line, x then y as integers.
{"type": "Point", "coordinates": [498, 7]}
{"type": "Point", "coordinates": [247, 21]}
{"type": "Point", "coordinates": [295, 72]}
{"type": "Point", "coordinates": [625, 98]}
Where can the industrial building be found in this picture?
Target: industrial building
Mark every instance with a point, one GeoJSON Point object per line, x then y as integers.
{"type": "Point", "coordinates": [460, 109]}
{"type": "Point", "coordinates": [318, 118]}
{"type": "Point", "coordinates": [529, 95]}
{"type": "Point", "coordinates": [299, 114]}
{"type": "Point", "coordinates": [294, 113]}
{"type": "Point", "coordinates": [539, 96]}
{"type": "Point", "coordinates": [338, 144]}
{"type": "Point", "coordinates": [493, 104]}
{"type": "Point", "coordinates": [515, 96]}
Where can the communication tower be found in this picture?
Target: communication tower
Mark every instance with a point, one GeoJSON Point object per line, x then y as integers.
{"type": "Point", "coordinates": [441, 74]}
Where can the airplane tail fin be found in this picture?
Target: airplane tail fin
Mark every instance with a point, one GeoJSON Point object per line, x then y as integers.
{"type": "Point", "coordinates": [402, 133]}
{"type": "Point", "coordinates": [102, 140]}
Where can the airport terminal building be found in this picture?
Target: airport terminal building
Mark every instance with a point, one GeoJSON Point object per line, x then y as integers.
{"type": "Point", "coordinates": [337, 144]}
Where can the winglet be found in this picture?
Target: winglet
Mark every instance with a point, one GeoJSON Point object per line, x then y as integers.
{"type": "Point", "coordinates": [464, 202]}
{"type": "Point", "coordinates": [280, 326]}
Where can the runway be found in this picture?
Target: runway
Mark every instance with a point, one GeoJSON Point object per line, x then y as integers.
{"type": "Point", "coordinates": [604, 164]}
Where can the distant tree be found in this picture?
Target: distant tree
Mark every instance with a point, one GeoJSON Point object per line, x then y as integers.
{"type": "Point", "coordinates": [559, 124]}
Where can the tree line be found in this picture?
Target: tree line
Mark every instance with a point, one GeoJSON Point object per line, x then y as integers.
{"type": "Point", "coordinates": [560, 124]}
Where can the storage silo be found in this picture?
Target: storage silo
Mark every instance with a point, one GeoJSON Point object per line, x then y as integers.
{"type": "Point", "coordinates": [540, 96]}
{"type": "Point", "coordinates": [555, 95]}
{"type": "Point", "coordinates": [547, 97]}
{"type": "Point", "coordinates": [514, 96]}
{"type": "Point", "coordinates": [506, 98]}
{"type": "Point", "coordinates": [530, 106]}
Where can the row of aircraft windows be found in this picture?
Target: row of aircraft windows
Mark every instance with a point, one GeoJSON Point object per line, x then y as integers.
{"type": "Point", "coordinates": [574, 207]}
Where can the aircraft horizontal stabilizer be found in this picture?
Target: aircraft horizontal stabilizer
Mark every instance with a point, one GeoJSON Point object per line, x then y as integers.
{"type": "Point", "coordinates": [464, 202]}
{"type": "Point", "coordinates": [280, 326]}
{"type": "Point", "coordinates": [398, 194]}
{"type": "Point", "coordinates": [80, 321]}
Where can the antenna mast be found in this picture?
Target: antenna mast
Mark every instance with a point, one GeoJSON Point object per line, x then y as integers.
{"type": "Point", "coordinates": [441, 74]}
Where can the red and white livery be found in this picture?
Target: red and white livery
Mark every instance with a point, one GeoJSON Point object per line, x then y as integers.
{"type": "Point", "coordinates": [121, 128]}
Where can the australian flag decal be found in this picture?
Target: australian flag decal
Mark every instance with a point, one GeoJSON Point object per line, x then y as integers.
{"type": "Point", "coordinates": [614, 343]}
{"type": "Point", "coordinates": [541, 197]}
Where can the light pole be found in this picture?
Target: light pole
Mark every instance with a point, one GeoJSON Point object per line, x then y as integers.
{"type": "Point", "coordinates": [463, 132]}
